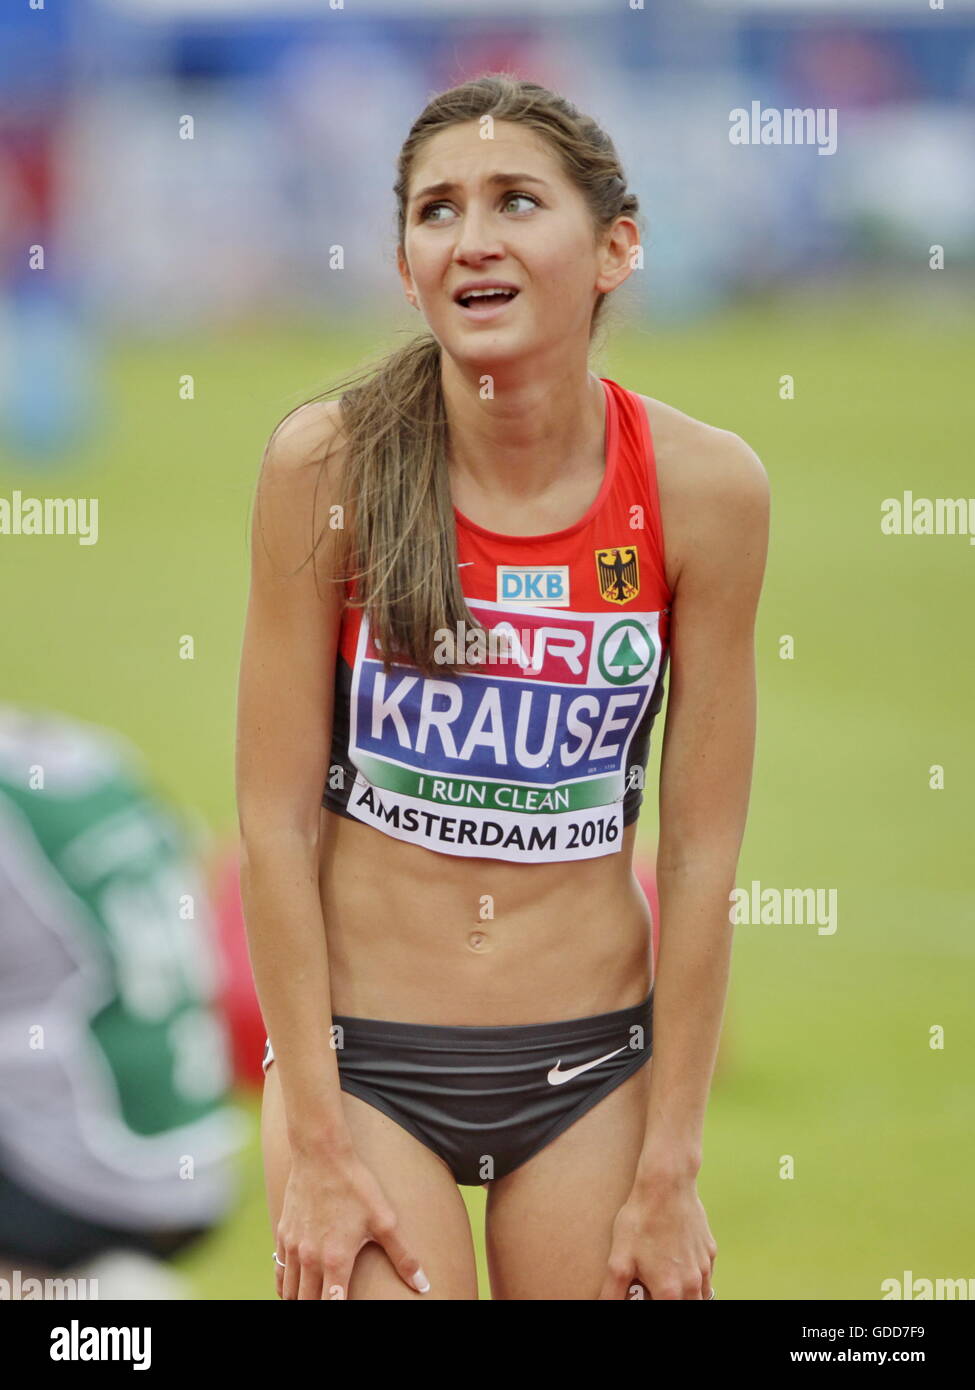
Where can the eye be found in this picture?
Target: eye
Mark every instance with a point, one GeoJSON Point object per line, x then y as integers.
{"type": "Point", "coordinates": [424, 214]}
{"type": "Point", "coordinates": [427, 208]}
{"type": "Point", "coordinates": [514, 197]}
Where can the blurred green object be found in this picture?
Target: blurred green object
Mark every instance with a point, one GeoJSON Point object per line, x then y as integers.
{"type": "Point", "coordinates": [827, 1055]}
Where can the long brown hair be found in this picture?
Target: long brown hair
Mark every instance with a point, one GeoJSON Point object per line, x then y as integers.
{"type": "Point", "coordinates": [398, 541]}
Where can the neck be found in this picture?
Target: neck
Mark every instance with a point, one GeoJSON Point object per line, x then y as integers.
{"type": "Point", "coordinates": [534, 430]}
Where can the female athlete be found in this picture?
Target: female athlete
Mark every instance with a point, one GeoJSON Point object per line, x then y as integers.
{"type": "Point", "coordinates": [451, 950]}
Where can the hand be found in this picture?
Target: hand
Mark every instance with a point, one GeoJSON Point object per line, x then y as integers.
{"type": "Point", "coordinates": [661, 1239]}
{"type": "Point", "coordinates": [332, 1208]}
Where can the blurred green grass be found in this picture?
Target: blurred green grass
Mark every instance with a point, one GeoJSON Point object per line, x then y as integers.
{"type": "Point", "coordinates": [826, 1054]}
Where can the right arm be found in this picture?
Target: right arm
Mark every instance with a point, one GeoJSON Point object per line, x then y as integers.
{"type": "Point", "coordinates": [332, 1206]}
{"type": "Point", "coordinates": [284, 720]}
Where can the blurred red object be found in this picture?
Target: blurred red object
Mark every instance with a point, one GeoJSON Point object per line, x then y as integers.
{"type": "Point", "coordinates": [238, 997]}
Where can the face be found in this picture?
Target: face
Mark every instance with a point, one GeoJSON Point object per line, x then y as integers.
{"type": "Point", "coordinates": [502, 212]}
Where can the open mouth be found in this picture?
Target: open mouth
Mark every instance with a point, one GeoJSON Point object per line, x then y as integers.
{"type": "Point", "coordinates": [482, 301]}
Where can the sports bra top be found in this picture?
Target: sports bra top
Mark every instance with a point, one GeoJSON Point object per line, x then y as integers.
{"type": "Point", "coordinates": [539, 755]}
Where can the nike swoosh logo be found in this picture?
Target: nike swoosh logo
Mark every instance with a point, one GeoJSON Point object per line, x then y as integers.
{"type": "Point", "coordinates": [556, 1077]}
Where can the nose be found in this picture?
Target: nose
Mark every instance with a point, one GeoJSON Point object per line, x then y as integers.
{"type": "Point", "coordinates": [477, 238]}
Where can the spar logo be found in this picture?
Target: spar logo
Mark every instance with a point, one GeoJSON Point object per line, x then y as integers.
{"type": "Point", "coordinates": [626, 652]}
{"type": "Point", "coordinates": [539, 645]}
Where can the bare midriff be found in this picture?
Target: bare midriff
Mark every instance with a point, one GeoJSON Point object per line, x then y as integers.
{"type": "Point", "coordinates": [419, 937]}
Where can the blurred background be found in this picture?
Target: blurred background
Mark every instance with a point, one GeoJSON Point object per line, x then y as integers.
{"type": "Point", "coordinates": [177, 179]}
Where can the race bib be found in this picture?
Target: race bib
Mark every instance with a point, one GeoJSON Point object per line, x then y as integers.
{"type": "Point", "coordinates": [523, 759]}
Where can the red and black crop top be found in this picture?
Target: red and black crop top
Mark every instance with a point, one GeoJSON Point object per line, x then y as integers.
{"type": "Point", "coordinates": [540, 755]}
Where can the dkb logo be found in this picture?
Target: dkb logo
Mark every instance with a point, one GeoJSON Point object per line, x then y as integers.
{"type": "Point", "coordinates": [547, 584]}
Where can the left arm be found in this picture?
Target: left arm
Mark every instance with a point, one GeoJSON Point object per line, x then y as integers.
{"type": "Point", "coordinates": [661, 1236]}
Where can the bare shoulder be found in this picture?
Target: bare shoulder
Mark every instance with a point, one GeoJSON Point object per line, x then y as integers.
{"type": "Point", "coordinates": [712, 484]}
{"type": "Point", "coordinates": [303, 437]}
{"type": "Point", "coordinates": [698, 456]}
{"type": "Point", "coordinates": [299, 484]}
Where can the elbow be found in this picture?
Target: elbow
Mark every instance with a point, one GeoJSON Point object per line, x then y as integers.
{"type": "Point", "coordinates": [269, 841]}
{"type": "Point", "coordinates": [713, 857]}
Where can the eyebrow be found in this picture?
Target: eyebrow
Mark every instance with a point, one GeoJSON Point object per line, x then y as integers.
{"type": "Point", "coordinates": [448, 187]}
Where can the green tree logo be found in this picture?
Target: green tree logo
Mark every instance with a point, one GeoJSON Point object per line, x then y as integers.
{"type": "Point", "coordinates": [624, 658]}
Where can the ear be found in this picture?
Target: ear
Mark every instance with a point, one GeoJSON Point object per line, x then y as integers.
{"type": "Point", "coordinates": [615, 257]}
{"type": "Point", "coordinates": [405, 276]}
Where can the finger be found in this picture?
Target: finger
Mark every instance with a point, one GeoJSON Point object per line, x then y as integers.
{"type": "Point", "coordinates": [402, 1258]}
{"type": "Point", "coordinates": [617, 1280]}
{"type": "Point", "coordinates": [336, 1277]}
{"type": "Point", "coordinates": [290, 1275]}
{"type": "Point", "coordinates": [310, 1281]}
{"type": "Point", "coordinates": [279, 1271]}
